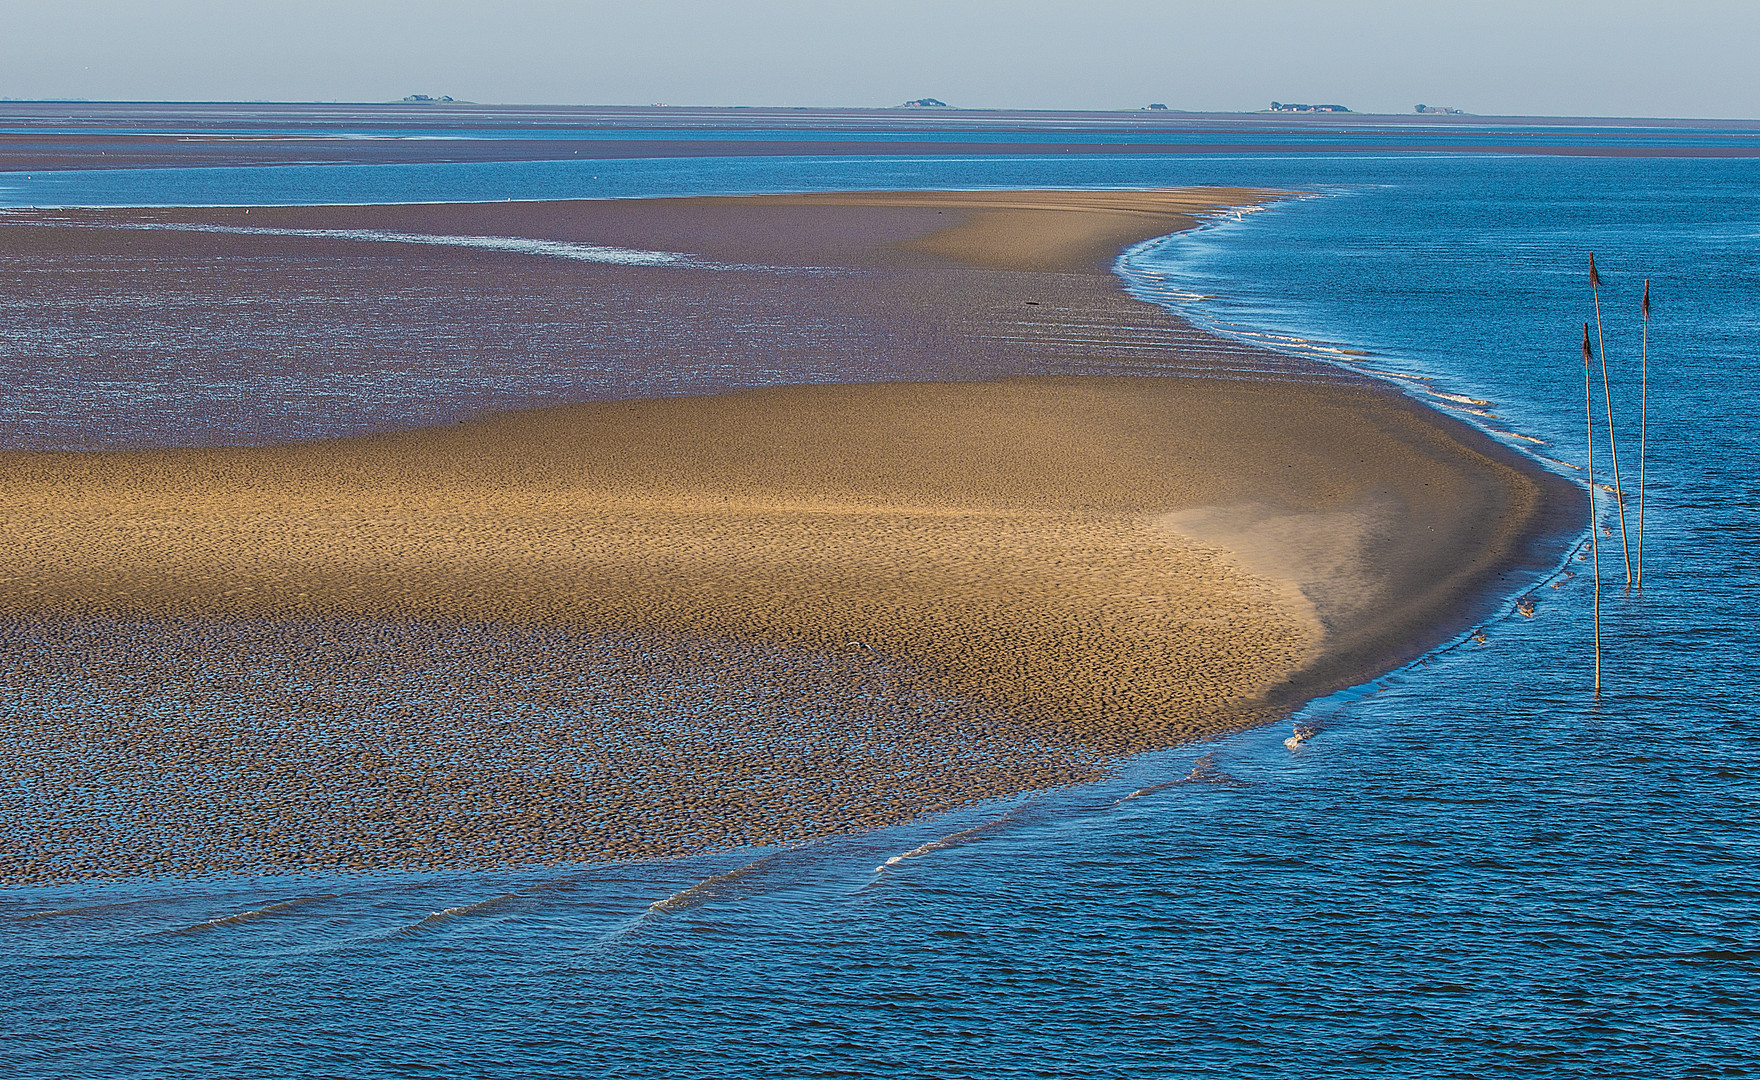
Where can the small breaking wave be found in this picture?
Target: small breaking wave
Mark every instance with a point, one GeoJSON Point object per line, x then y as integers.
{"type": "Point", "coordinates": [1234, 213]}
{"type": "Point", "coordinates": [1556, 461]}
{"type": "Point", "coordinates": [1459, 399]}
{"type": "Point", "coordinates": [1517, 435]}
{"type": "Point", "coordinates": [733, 884]}
{"type": "Point", "coordinates": [710, 888]}
{"type": "Point", "coordinates": [1204, 771]}
{"type": "Point", "coordinates": [1395, 375]}
{"type": "Point", "coordinates": [93, 909]}
{"type": "Point", "coordinates": [252, 915]}
{"type": "Point", "coordinates": [1457, 402]}
{"type": "Point", "coordinates": [448, 914]}
{"type": "Point", "coordinates": [953, 839]}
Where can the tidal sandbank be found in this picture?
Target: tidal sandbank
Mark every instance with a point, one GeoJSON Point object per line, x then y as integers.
{"type": "Point", "coordinates": [613, 629]}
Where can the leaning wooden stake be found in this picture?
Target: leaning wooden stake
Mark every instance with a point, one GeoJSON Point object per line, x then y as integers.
{"type": "Point", "coordinates": [1594, 526]}
{"type": "Point", "coordinates": [1643, 430]}
{"type": "Point", "coordinates": [1619, 491]}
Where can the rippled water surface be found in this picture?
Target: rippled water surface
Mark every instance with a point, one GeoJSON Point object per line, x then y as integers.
{"type": "Point", "coordinates": [1473, 868]}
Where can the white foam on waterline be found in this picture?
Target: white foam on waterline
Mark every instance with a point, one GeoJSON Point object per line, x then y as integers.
{"type": "Point", "coordinates": [1556, 461]}
{"type": "Point", "coordinates": [1459, 398]}
{"type": "Point", "coordinates": [1487, 414]}
{"type": "Point", "coordinates": [1232, 213]}
{"type": "Point", "coordinates": [1517, 435]}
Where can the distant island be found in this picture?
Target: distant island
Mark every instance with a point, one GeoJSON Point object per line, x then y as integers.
{"type": "Point", "coordinates": [925, 103]}
{"type": "Point", "coordinates": [1447, 110]}
{"type": "Point", "coordinates": [1289, 106]}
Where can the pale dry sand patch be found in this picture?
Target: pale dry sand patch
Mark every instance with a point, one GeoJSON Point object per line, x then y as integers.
{"type": "Point", "coordinates": [1321, 558]}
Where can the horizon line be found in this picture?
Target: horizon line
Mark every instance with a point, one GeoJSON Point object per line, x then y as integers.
{"type": "Point", "coordinates": [1168, 111]}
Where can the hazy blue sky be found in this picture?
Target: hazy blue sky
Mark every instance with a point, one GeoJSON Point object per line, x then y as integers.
{"type": "Point", "coordinates": [1611, 57]}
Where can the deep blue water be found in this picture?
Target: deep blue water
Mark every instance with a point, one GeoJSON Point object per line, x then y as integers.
{"type": "Point", "coordinates": [1475, 868]}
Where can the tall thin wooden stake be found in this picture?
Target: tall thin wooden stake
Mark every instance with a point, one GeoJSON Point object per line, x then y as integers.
{"type": "Point", "coordinates": [1643, 430]}
{"type": "Point", "coordinates": [1594, 525]}
{"type": "Point", "coordinates": [1619, 491]}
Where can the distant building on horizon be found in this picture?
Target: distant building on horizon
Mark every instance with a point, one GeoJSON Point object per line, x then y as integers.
{"type": "Point", "coordinates": [1289, 106]}
{"type": "Point", "coordinates": [1156, 106]}
{"type": "Point", "coordinates": [925, 103]}
{"type": "Point", "coordinates": [1441, 110]}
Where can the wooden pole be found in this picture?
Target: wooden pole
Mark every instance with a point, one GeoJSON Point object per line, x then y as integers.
{"type": "Point", "coordinates": [1594, 525]}
{"type": "Point", "coordinates": [1643, 430]}
{"type": "Point", "coordinates": [1619, 491]}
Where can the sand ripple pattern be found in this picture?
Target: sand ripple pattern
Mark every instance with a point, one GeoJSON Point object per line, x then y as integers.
{"type": "Point", "coordinates": [196, 747]}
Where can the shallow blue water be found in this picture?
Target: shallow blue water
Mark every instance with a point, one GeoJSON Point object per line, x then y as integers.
{"type": "Point", "coordinates": [1474, 868]}
{"type": "Point", "coordinates": [316, 184]}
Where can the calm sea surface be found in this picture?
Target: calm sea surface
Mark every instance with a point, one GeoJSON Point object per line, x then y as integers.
{"type": "Point", "coordinates": [1475, 867]}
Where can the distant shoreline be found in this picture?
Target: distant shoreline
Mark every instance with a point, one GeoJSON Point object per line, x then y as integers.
{"type": "Point", "coordinates": [45, 136]}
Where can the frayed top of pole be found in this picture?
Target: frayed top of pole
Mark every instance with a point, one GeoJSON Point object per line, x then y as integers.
{"type": "Point", "coordinates": [1594, 278]}
{"type": "Point", "coordinates": [1585, 344]}
{"type": "Point", "coordinates": [1646, 299]}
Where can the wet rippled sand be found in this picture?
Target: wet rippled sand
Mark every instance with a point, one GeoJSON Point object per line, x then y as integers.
{"type": "Point", "coordinates": [249, 746]}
